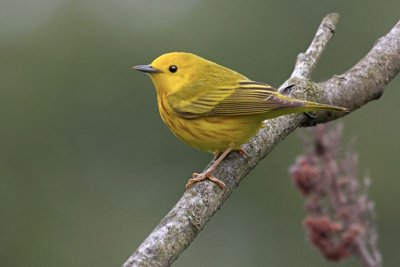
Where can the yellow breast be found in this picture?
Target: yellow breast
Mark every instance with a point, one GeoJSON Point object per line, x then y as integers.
{"type": "Point", "coordinates": [210, 133]}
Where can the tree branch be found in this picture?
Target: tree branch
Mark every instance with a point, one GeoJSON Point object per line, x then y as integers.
{"type": "Point", "coordinates": [364, 82]}
{"type": "Point", "coordinates": [306, 62]}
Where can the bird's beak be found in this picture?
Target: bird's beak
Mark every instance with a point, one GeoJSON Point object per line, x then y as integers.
{"type": "Point", "coordinates": [146, 68]}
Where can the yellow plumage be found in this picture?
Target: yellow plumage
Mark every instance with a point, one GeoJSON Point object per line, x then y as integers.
{"type": "Point", "coordinates": [213, 108]}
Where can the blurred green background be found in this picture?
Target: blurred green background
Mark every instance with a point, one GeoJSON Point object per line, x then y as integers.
{"type": "Point", "coordinates": [87, 168]}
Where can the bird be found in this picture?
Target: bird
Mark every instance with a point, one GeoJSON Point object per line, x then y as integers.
{"type": "Point", "coordinates": [216, 109]}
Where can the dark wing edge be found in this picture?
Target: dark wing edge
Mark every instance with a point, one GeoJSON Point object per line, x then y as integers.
{"type": "Point", "coordinates": [245, 98]}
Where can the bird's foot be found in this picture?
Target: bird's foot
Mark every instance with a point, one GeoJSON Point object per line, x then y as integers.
{"type": "Point", "coordinates": [243, 152]}
{"type": "Point", "coordinates": [207, 174]}
{"type": "Point", "coordinates": [197, 177]}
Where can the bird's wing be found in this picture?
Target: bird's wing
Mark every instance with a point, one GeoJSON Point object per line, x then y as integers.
{"type": "Point", "coordinates": [243, 98]}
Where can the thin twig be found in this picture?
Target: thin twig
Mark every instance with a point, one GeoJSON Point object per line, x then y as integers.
{"type": "Point", "coordinates": [181, 225]}
{"type": "Point", "coordinates": [306, 62]}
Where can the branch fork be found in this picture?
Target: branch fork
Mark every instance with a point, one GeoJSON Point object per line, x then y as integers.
{"type": "Point", "coordinates": [354, 88]}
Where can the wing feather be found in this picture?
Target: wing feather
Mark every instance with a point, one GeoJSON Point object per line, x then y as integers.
{"type": "Point", "coordinates": [243, 98]}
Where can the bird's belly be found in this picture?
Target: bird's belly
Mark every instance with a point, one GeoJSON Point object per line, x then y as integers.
{"type": "Point", "coordinates": [213, 133]}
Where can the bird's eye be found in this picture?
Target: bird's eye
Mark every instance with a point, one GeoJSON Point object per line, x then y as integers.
{"type": "Point", "coordinates": [173, 68]}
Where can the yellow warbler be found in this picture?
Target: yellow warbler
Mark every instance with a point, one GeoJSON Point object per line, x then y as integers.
{"type": "Point", "coordinates": [213, 108]}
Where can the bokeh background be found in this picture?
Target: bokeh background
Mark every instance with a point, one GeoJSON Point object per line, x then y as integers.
{"type": "Point", "coordinates": [87, 168]}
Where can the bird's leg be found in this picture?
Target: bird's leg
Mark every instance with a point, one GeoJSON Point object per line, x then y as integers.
{"type": "Point", "coordinates": [216, 154]}
{"type": "Point", "coordinates": [207, 174]}
{"type": "Point", "coordinates": [243, 152]}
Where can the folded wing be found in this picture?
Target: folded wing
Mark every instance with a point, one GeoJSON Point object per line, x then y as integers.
{"type": "Point", "coordinates": [242, 98]}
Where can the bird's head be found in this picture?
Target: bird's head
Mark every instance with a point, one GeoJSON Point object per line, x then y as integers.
{"type": "Point", "coordinates": [174, 71]}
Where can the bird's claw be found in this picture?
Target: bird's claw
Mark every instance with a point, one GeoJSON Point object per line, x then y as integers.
{"type": "Point", "coordinates": [243, 153]}
{"type": "Point", "coordinates": [197, 177]}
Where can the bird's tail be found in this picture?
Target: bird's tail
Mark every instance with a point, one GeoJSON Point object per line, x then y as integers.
{"type": "Point", "coordinates": [312, 106]}
{"type": "Point", "coordinates": [286, 105]}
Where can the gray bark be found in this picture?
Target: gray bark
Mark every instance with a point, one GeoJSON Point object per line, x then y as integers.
{"type": "Point", "coordinates": [361, 84]}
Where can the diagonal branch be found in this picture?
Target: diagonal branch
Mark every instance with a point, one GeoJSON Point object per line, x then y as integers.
{"type": "Point", "coordinates": [364, 82]}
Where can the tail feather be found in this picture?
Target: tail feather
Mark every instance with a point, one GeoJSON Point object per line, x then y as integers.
{"type": "Point", "coordinates": [311, 106]}
{"type": "Point", "coordinates": [290, 106]}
